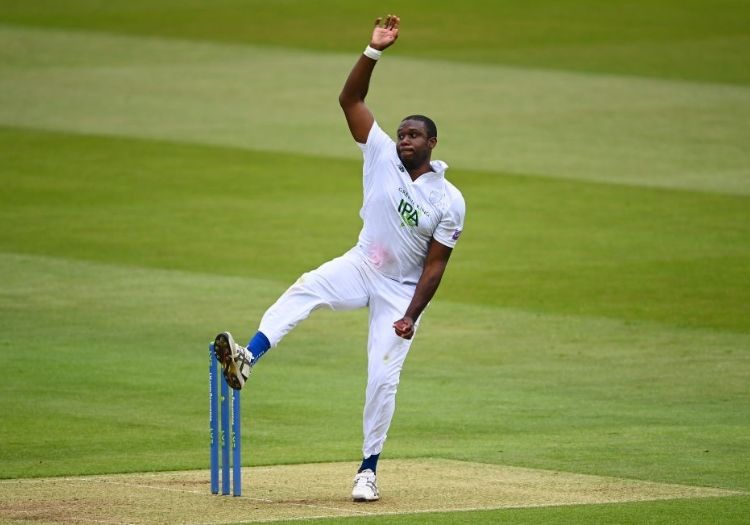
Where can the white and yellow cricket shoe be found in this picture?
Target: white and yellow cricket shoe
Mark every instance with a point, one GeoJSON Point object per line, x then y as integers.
{"type": "Point", "coordinates": [236, 360]}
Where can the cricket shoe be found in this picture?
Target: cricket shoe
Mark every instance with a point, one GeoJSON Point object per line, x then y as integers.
{"type": "Point", "coordinates": [365, 486]}
{"type": "Point", "coordinates": [236, 360]}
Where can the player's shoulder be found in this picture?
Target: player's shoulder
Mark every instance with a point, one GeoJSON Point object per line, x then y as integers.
{"type": "Point", "coordinates": [452, 190]}
{"type": "Point", "coordinates": [376, 137]}
{"type": "Point", "coordinates": [454, 197]}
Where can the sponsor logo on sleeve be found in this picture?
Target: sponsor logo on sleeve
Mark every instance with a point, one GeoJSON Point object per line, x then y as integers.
{"type": "Point", "coordinates": [456, 234]}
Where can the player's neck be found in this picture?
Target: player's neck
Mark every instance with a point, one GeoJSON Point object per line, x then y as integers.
{"type": "Point", "coordinates": [417, 172]}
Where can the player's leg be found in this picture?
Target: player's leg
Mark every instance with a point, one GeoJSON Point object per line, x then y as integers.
{"type": "Point", "coordinates": [337, 284]}
{"type": "Point", "coordinates": [386, 354]}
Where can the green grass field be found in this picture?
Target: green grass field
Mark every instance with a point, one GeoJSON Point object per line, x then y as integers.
{"type": "Point", "coordinates": [169, 167]}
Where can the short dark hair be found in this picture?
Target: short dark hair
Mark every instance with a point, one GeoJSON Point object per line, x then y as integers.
{"type": "Point", "coordinates": [428, 123]}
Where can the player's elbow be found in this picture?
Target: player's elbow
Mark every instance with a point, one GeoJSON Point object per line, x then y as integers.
{"type": "Point", "coordinates": [346, 100]}
{"type": "Point", "coordinates": [349, 98]}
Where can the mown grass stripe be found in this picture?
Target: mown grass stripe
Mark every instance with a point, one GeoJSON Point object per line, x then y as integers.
{"type": "Point", "coordinates": [570, 125]}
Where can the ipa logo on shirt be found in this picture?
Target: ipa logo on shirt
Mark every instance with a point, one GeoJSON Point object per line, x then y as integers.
{"type": "Point", "coordinates": [409, 215]}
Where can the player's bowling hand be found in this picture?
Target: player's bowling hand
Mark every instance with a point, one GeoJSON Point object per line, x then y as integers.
{"type": "Point", "coordinates": [404, 327]}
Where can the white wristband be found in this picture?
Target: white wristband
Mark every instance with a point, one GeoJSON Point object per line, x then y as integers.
{"type": "Point", "coordinates": [372, 53]}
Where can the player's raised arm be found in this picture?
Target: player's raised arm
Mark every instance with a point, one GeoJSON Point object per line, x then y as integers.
{"type": "Point", "coordinates": [352, 97]}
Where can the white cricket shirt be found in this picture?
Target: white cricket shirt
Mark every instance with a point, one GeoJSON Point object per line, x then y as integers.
{"type": "Point", "coordinates": [401, 216]}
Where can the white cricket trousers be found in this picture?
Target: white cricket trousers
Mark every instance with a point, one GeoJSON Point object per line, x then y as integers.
{"type": "Point", "coordinates": [346, 283]}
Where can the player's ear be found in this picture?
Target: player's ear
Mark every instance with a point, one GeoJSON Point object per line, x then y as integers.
{"type": "Point", "coordinates": [432, 142]}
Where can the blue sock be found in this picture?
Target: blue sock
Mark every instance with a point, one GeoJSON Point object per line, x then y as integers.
{"type": "Point", "coordinates": [258, 345]}
{"type": "Point", "coordinates": [370, 463]}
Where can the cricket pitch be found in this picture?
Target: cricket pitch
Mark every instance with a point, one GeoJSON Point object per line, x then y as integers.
{"type": "Point", "coordinates": [315, 491]}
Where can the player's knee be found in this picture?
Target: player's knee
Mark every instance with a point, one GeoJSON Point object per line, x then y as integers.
{"type": "Point", "coordinates": [384, 381]}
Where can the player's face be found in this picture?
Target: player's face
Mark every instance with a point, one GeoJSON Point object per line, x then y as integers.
{"type": "Point", "coordinates": [413, 146]}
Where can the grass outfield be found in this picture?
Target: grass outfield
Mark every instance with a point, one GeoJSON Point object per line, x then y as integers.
{"type": "Point", "coordinates": [166, 172]}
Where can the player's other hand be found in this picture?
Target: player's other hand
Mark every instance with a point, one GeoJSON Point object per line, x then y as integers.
{"type": "Point", "coordinates": [385, 32]}
{"type": "Point", "coordinates": [404, 327]}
